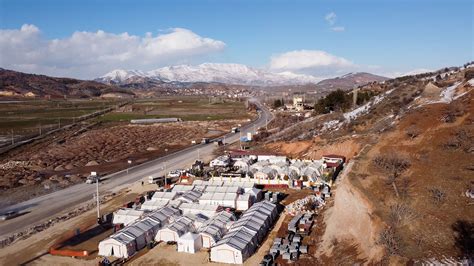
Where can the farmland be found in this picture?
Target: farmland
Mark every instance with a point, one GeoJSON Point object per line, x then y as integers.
{"type": "Point", "coordinates": [24, 118]}
{"type": "Point", "coordinates": [186, 108]}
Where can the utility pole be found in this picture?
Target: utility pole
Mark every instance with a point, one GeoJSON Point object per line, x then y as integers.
{"type": "Point", "coordinates": [97, 198]}
{"type": "Point", "coordinates": [165, 175]}
{"type": "Point", "coordinates": [40, 130]}
{"type": "Point", "coordinates": [13, 139]}
{"type": "Point", "coordinates": [240, 139]}
{"type": "Point", "coordinates": [59, 122]}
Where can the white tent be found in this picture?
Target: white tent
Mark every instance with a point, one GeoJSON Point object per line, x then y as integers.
{"type": "Point", "coordinates": [189, 242]}
{"type": "Point", "coordinates": [173, 231]}
{"type": "Point", "coordinates": [126, 216]}
{"type": "Point", "coordinates": [255, 194]}
{"type": "Point", "coordinates": [153, 204]}
{"type": "Point", "coordinates": [235, 247]}
{"type": "Point", "coordinates": [243, 202]}
{"type": "Point", "coordinates": [120, 245]}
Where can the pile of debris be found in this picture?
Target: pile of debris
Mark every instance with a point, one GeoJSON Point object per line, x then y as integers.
{"type": "Point", "coordinates": [291, 246]}
{"type": "Point", "coordinates": [305, 205]}
{"type": "Point", "coordinates": [45, 225]}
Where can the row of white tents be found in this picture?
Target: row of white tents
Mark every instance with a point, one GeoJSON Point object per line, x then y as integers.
{"type": "Point", "coordinates": [190, 232]}
{"type": "Point", "coordinates": [246, 234]}
{"type": "Point", "coordinates": [137, 235]}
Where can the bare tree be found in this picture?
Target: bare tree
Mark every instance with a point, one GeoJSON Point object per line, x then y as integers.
{"type": "Point", "coordinates": [393, 165]}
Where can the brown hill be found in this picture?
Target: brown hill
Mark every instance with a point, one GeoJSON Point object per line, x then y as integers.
{"type": "Point", "coordinates": [404, 196]}
{"type": "Point", "coordinates": [18, 84]}
{"type": "Point", "coordinates": [349, 81]}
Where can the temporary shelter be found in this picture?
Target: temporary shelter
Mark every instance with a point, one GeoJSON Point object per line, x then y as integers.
{"type": "Point", "coordinates": [153, 204]}
{"type": "Point", "coordinates": [243, 202]}
{"type": "Point", "coordinates": [126, 216]}
{"type": "Point", "coordinates": [174, 230]}
{"type": "Point", "coordinates": [165, 196]}
{"type": "Point", "coordinates": [255, 194]}
{"type": "Point", "coordinates": [190, 196]}
{"type": "Point", "coordinates": [189, 242]}
{"type": "Point", "coordinates": [213, 230]}
{"type": "Point", "coordinates": [195, 208]}
{"type": "Point", "coordinates": [235, 247]}
{"type": "Point", "coordinates": [120, 245]}
{"type": "Point", "coordinates": [182, 188]}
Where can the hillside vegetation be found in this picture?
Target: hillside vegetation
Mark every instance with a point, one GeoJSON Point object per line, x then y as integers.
{"type": "Point", "coordinates": [405, 195]}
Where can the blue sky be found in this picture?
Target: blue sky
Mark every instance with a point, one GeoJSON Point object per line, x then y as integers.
{"type": "Point", "coordinates": [385, 37]}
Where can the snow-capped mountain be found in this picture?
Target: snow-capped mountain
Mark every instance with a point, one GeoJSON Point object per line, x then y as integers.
{"type": "Point", "coordinates": [210, 72]}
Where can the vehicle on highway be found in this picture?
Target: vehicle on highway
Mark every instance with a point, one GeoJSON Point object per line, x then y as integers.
{"type": "Point", "coordinates": [9, 215]}
{"type": "Point", "coordinates": [234, 130]}
{"type": "Point", "coordinates": [92, 179]}
{"type": "Point", "coordinates": [205, 140]}
{"type": "Point", "coordinates": [155, 179]}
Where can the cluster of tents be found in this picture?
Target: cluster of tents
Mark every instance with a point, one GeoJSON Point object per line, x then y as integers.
{"type": "Point", "coordinates": [245, 234]}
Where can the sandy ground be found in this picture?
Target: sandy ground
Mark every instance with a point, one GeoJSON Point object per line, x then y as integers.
{"type": "Point", "coordinates": [353, 212]}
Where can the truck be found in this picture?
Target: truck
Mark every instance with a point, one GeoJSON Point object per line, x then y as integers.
{"type": "Point", "coordinates": [234, 130]}
{"type": "Point", "coordinates": [155, 179]}
{"type": "Point", "coordinates": [92, 178]}
{"type": "Point", "coordinates": [205, 140]}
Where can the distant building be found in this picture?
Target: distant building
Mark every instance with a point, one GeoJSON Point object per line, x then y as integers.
{"type": "Point", "coordinates": [298, 103]}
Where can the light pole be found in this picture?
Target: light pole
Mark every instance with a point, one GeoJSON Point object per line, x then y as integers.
{"type": "Point", "coordinates": [129, 162]}
{"type": "Point", "coordinates": [166, 154]}
{"type": "Point", "coordinates": [97, 198]}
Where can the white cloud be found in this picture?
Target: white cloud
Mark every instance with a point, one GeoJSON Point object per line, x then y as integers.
{"type": "Point", "coordinates": [307, 60]}
{"type": "Point", "coordinates": [331, 18]}
{"type": "Point", "coordinates": [338, 28]}
{"type": "Point", "coordinates": [91, 54]}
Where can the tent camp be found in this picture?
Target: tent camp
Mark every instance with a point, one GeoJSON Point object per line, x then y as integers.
{"type": "Point", "coordinates": [126, 216]}
{"type": "Point", "coordinates": [189, 243]}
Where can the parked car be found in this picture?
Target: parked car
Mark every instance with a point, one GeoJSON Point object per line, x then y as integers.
{"type": "Point", "coordinates": [9, 215]}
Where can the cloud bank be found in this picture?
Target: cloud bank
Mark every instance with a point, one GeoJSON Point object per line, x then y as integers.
{"type": "Point", "coordinates": [90, 54]}
{"type": "Point", "coordinates": [313, 62]}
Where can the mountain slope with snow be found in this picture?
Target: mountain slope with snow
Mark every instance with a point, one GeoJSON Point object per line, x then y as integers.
{"type": "Point", "coordinates": [210, 72]}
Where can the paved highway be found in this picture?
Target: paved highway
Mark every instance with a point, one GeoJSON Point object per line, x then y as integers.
{"type": "Point", "coordinates": [48, 206]}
